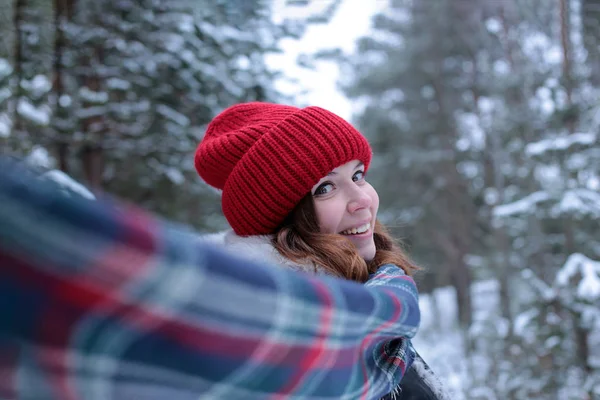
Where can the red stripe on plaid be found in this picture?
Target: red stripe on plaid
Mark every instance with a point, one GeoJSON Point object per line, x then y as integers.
{"type": "Point", "coordinates": [395, 360]}
{"type": "Point", "coordinates": [367, 340]}
{"type": "Point", "coordinates": [77, 298]}
{"type": "Point", "coordinates": [126, 261]}
{"type": "Point", "coordinates": [317, 352]}
{"type": "Point", "coordinates": [92, 298]}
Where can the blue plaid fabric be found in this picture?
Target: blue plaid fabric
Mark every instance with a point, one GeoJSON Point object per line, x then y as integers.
{"type": "Point", "coordinates": [99, 300]}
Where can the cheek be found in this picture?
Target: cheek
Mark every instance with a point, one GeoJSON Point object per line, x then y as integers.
{"type": "Point", "coordinates": [374, 199]}
{"type": "Point", "coordinates": [329, 215]}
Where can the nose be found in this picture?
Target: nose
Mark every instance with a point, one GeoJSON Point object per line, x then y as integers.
{"type": "Point", "coordinates": [358, 199]}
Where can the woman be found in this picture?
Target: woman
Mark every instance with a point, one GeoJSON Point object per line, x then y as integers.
{"type": "Point", "coordinates": [294, 192]}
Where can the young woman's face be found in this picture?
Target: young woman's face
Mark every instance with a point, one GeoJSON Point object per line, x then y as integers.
{"type": "Point", "coordinates": [346, 204]}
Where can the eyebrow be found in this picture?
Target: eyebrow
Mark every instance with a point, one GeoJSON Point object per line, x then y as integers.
{"type": "Point", "coordinates": [360, 163]}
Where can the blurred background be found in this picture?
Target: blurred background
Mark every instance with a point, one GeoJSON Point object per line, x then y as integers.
{"type": "Point", "coordinates": [484, 116]}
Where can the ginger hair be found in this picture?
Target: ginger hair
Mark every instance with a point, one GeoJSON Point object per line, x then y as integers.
{"type": "Point", "coordinates": [298, 239]}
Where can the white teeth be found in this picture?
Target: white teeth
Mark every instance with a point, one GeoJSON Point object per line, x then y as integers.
{"type": "Point", "coordinates": [360, 229]}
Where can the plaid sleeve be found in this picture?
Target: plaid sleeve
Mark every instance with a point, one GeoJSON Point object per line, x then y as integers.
{"type": "Point", "coordinates": [103, 301]}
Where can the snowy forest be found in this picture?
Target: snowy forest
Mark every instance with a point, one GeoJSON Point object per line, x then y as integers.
{"type": "Point", "coordinates": [484, 116]}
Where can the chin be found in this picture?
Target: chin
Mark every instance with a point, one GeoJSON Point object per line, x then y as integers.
{"type": "Point", "coordinates": [368, 254]}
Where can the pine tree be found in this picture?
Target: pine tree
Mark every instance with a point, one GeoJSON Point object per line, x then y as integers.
{"type": "Point", "coordinates": [33, 35]}
{"type": "Point", "coordinates": [123, 90]}
{"type": "Point", "coordinates": [6, 74]}
{"type": "Point", "coordinates": [480, 91]}
{"type": "Point", "coordinates": [555, 325]}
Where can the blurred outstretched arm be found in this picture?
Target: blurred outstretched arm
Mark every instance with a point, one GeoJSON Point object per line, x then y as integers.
{"type": "Point", "coordinates": [103, 301]}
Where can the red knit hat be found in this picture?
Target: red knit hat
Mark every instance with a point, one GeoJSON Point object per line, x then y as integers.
{"type": "Point", "coordinates": [267, 157]}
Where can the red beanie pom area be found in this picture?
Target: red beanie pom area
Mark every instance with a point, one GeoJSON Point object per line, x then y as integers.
{"type": "Point", "coordinates": [266, 157]}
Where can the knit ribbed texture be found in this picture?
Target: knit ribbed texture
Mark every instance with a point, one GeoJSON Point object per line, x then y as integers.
{"type": "Point", "coordinates": [267, 157]}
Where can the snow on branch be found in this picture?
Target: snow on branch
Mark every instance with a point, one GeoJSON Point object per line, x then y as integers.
{"type": "Point", "coordinates": [92, 96]}
{"type": "Point", "coordinates": [588, 287]}
{"type": "Point", "coordinates": [5, 125]}
{"type": "Point", "coordinates": [541, 287]}
{"type": "Point", "coordinates": [5, 94]}
{"type": "Point", "coordinates": [5, 68]}
{"type": "Point", "coordinates": [524, 205]}
{"type": "Point", "coordinates": [172, 115]}
{"type": "Point", "coordinates": [37, 115]}
{"type": "Point", "coordinates": [224, 33]}
{"type": "Point", "coordinates": [68, 183]}
{"type": "Point", "coordinates": [37, 86]}
{"type": "Point", "coordinates": [172, 174]}
{"type": "Point", "coordinates": [39, 157]}
{"type": "Point", "coordinates": [580, 201]}
{"type": "Point", "coordinates": [559, 143]}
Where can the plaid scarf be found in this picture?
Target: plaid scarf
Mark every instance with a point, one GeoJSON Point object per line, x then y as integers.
{"type": "Point", "coordinates": [104, 301]}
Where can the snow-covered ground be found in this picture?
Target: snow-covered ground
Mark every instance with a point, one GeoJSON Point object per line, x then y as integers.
{"type": "Point", "coordinates": [440, 341]}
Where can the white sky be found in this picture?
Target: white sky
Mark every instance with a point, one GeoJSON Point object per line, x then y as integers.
{"type": "Point", "coordinates": [351, 21]}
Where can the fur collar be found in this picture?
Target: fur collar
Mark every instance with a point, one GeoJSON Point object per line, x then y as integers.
{"type": "Point", "coordinates": [257, 248]}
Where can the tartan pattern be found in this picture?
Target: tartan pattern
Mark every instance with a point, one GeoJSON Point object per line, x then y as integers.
{"type": "Point", "coordinates": [104, 301]}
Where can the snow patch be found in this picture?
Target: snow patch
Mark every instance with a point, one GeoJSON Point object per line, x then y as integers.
{"type": "Point", "coordinates": [90, 112]}
{"type": "Point", "coordinates": [65, 101]}
{"type": "Point", "coordinates": [175, 176]}
{"type": "Point", "coordinates": [5, 94]}
{"type": "Point", "coordinates": [559, 143]}
{"type": "Point", "coordinates": [224, 33]}
{"type": "Point", "coordinates": [5, 125]}
{"type": "Point", "coordinates": [580, 201]}
{"type": "Point", "coordinates": [38, 115]}
{"type": "Point", "coordinates": [39, 85]}
{"type": "Point", "coordinates": [493, 25]}
{"type": "Point", "coordinates": [522, 321]}
{"type": "Point", "coordinates": [92, 96]}
{"type": "Point", "coordinates": [39, 157]}
{"type": "Point", "coordinates": [524, 205]}
{"type": "Point", "coordinates": [173, 43]}
{"type": "Point", "coordinates": [172, 115]}
{"type": "Point", "coordinates": [5, 68]}
{"type": "Point", "coordinates": [69, 183]}
{"type": "Point", "coordinates": [186, 24]}
{"type": "Point", "coordinates": [118, 84]}
{"type": "Point", "coordinates": [588, 288]}
{"type": "Point", "coordinates": [542, 288]}
{"type": "Point", "coordinates": [473, 132]}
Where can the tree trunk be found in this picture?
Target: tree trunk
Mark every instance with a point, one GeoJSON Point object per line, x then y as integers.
{"type": "Point", "coordinates": [93, 165]}
{"type": "Point", "coordinates": [18, 16]}
{"type": "Point", "coordinates": [566, 70]}
{"type": "Point", "coordinates": [493, 176]}
{"type": "Point", "coordinates": [92, 153]}
{"type": "Point", "coordinates": [507, 8]}
{"type": "Point", "coordinates": [63, 11]}
{"type": "Point", "coordinates": [502, 265]}
{"type": "Point", "coordinates": [583, 348]}
{"type": "Point", "coordinates": [590, 15]}
{"type": "Point", "coordinates": [456, 217]}
{"type": "Point", "coordinates": [460, 277]}
{"type": "Point", "coordinates": [436, 312]}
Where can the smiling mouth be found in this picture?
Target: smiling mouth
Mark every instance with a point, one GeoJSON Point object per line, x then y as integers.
{"type": "Point", "coordinates": [356, 231]}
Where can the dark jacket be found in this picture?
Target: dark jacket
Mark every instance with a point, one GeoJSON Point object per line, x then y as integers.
{"type": "Point", "coordinates": [419, 383]}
